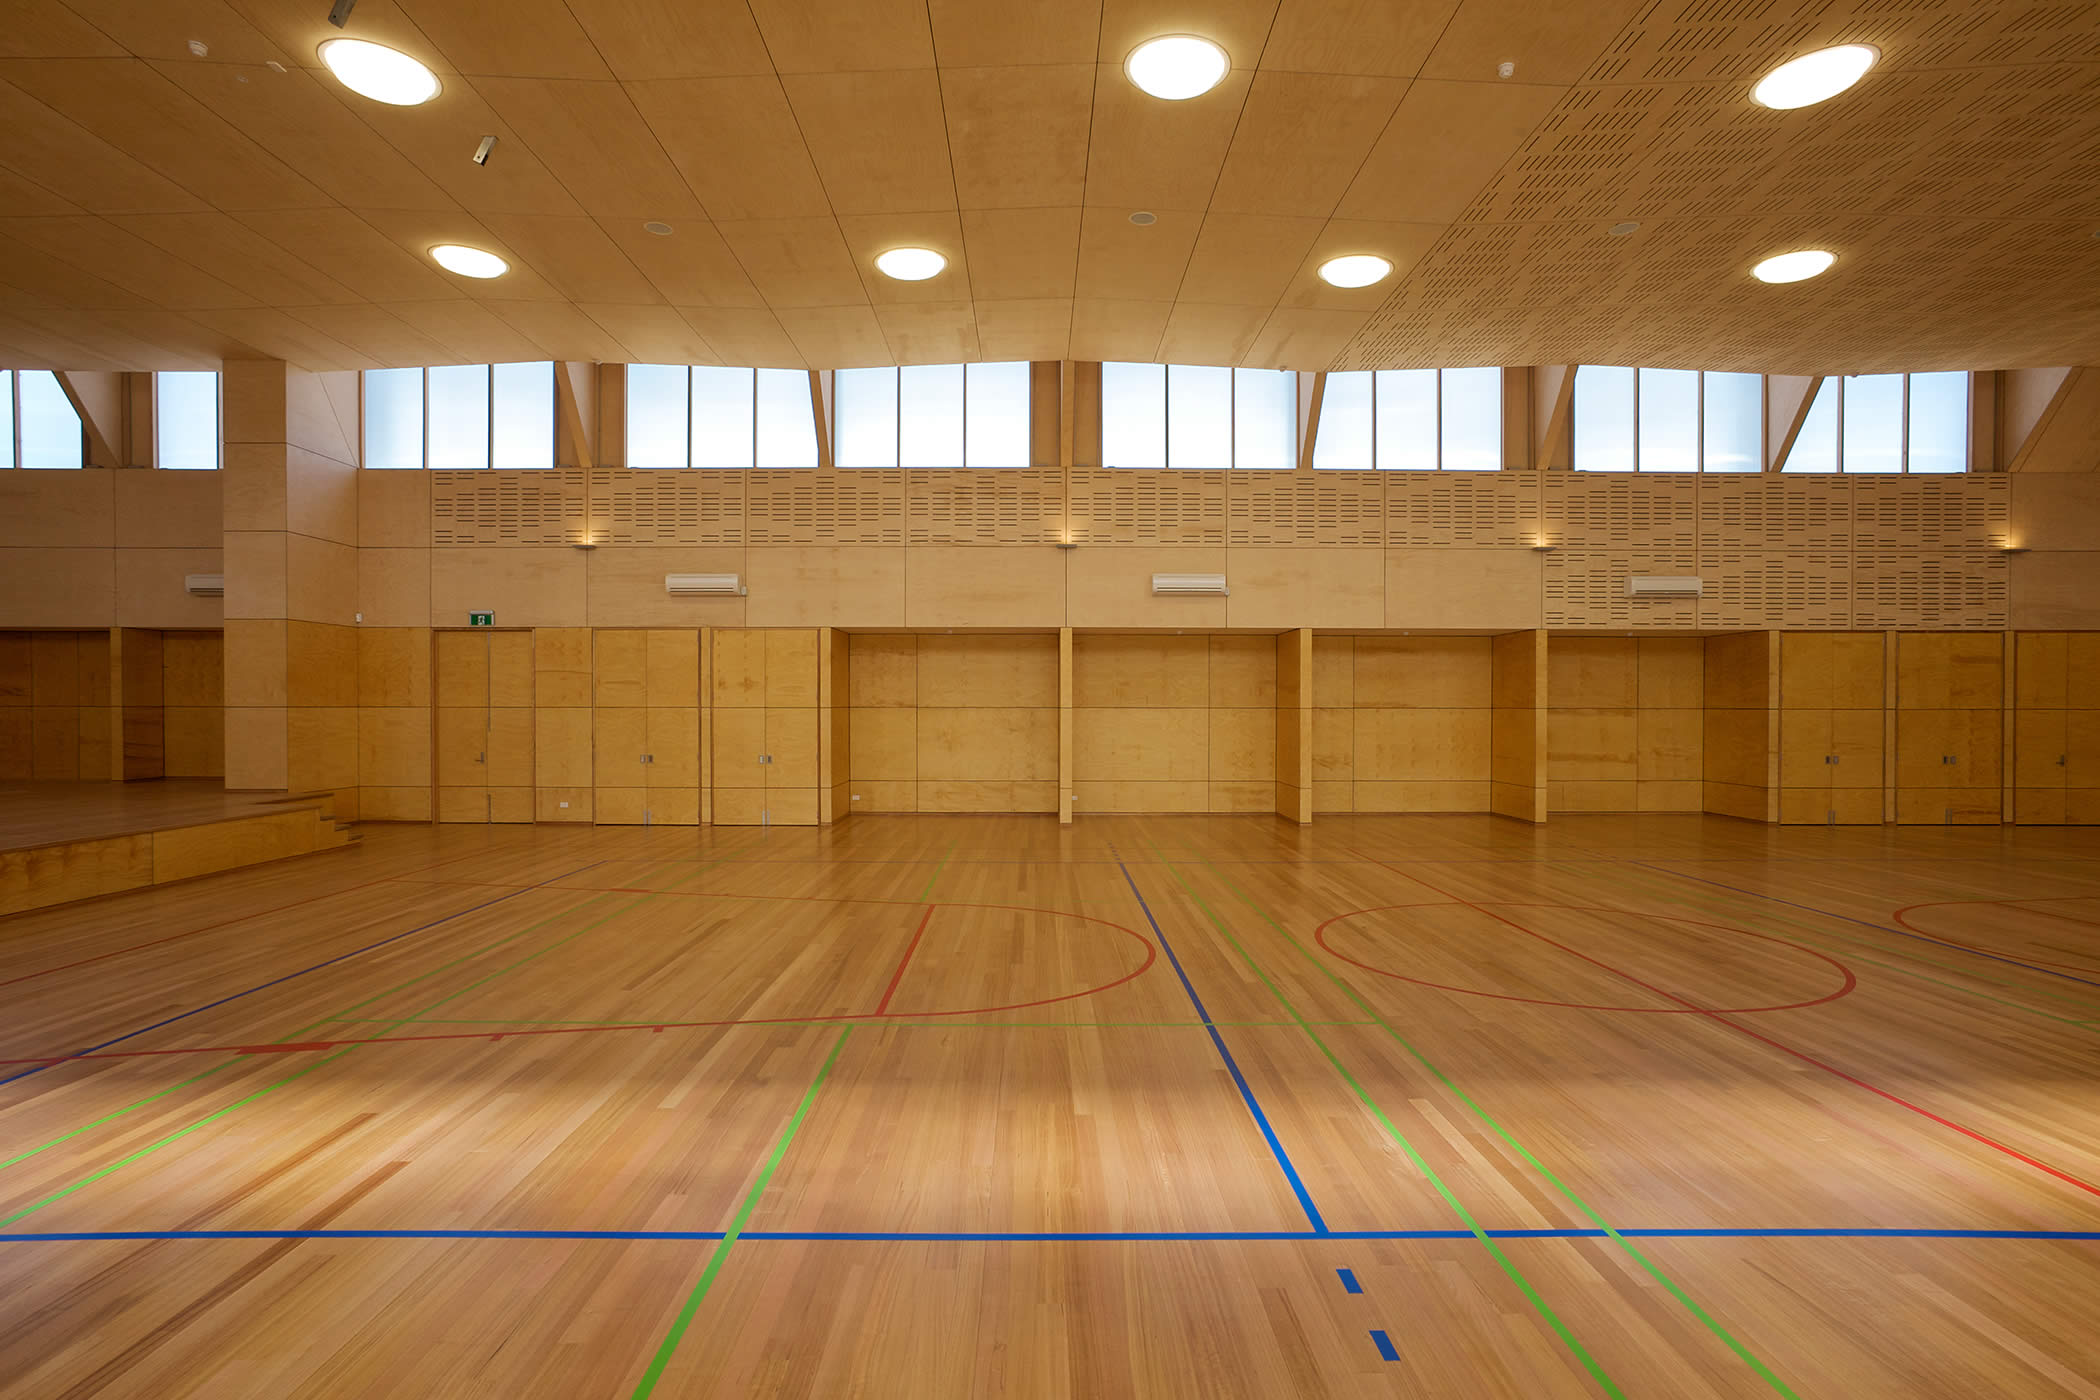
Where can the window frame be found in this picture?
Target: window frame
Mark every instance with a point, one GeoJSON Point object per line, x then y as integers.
{"type": "Point", "coordinates": [14, 408]}
{"type": "Point", "coordinates": [1232, 419]}
{"type": "Point", "coordinates": [896, 373]}
{"type": "Point", "coordinates": [1764, 426]}
{"type": "Point", "coordinates": [1903, 412]}
{"type": "Point", "coordinates": [1436, 430]}
{"type": "Point", "coordinates": [218, 418]}
{"type": "Point", "coordinates": [489, 431]}
{"type": "Point", "coordinates": [757, 426]}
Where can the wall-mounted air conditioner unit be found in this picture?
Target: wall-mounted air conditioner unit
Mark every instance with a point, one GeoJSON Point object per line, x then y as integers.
{"type": "Point", "coordinates": [204, 585]}
{"type": "Point", "coordinates": [1664, 586]}
{"type": "Point", "coordinates": [704, 585]}
{"type": "Point", "coordinates": [1213, 584]}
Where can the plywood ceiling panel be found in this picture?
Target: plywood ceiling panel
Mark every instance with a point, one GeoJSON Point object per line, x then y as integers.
{"type": "Point", "coordinates": [166, 207]}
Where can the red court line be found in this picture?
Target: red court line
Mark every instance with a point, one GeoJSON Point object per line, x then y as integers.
{"type": "Point", "coordinates": [1683, 1008]}
{"type": "Point", "coordinates": [882, 1007]}
{"type": "Point", "coordinates": [1802, 1055]}
{"type": "Point", "coordinates": [258, 914]}
{"type": "Point", "coordinates": [280, 1048]}
{"type": "Point", "coordinates": [2015, 904]}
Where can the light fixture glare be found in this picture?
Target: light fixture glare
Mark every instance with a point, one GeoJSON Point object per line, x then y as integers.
{"type": "Point", "coordinates": [1355, 270]}
{"type": "Point", "coordinates": [1815, 77]}
{"type": "Point", "coordinates": [380, 73]}
{"type": "Point", "coordinates": [1797, 266]}
{"type": "Point", "coordinates": [911, 264]}
{"type": "Point", "coordinates": [1177, 67]}
{"type": "Point", "coordinates": [468, 262]}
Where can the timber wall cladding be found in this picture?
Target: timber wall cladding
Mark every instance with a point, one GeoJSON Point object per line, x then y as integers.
{"type": "Point", "coordinates": [55, 702]}
{"type": "Point", "coordinates": [1625, 725]}
{"type": "Point", "coordinates": [1173, 723]}
{"type": "Point", "coordinates": [1403, 724]}
{"type": "Point", "coordinates": [952, 723]}
{"type": "Point", "coordinates": [1833, 719]}
{"type": "Point", "coordinates": [1774, 550]}
{"type": "Point", "coordinates": [2056, 728]}
{"type": "Point", "coordinates": [1950, 753]}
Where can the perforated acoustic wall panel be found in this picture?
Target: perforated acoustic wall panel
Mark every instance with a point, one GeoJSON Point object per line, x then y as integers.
{"type": "Point", "coordinates": [1329, 508]}
{"type": "Point", "coordinates": [630, 506]}
{"type": "Point", "coordinates": [1462, 508]}
{"type": "Point", "coordinates": [1128, 507]}
{"type": "Point", "coordinates": [984, 507]}
{"type": "Point", "coordinates": [824, 507]}
{"type": "Point", "coordinates": [498, 508]}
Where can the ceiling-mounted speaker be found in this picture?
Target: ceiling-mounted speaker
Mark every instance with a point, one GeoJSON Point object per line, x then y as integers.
{"type": "Point", "coordinates": [1190, 584]}
{"type": "Point", "coordinates": [204, 585]}
{"type": "Point", "coordinates": [1664, 586]}
{"type": "Point", "coordinates": [704, 585]}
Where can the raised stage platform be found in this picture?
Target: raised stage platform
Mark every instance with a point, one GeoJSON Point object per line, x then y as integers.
{"type": "Point", "coordinates": [65, 841]}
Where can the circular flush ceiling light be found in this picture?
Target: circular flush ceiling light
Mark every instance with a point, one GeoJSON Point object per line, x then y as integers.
{"type": "Point", "coordinates": [1177, 67]}
{"type": "Point", "coordinates": [378, 72]}
{"type": "Point", "coordinates": [1815, 77]}
{"type": "Point", "coordinates": [1356, 270]}
{"type": "Point", "coordinates": [1794, 267]}
{"type": "Point", "coordinates": [468, 262]}
{"type": "Point", "coordinates": [911, 264]}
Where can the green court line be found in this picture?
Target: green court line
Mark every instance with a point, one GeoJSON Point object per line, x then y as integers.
{"type": "Point", "coordinates": [1632, 1251]}
{"type": "Point", "coordinates": [1508, 1267]}
{"type": "Point", "coordinates": [1810, 933]}
{"type": "Point", "coordinates": [691, 1308]}
{"type": "Point", "coordinates": [926, 894]}
{"type": "Point", "coordinates": [315, 1025]}
{"type": "Point", "coordinates": [94, 1177]}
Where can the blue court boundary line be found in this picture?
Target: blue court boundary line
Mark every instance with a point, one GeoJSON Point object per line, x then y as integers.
{"type": "Point", "coordinates": [1864, 923]}
{"type": "Point", "coordinates": [289, 976]}
{"type": "Point", "coordinates": [1261, 1120]}
{"type": "Point", "coordinates": [1662, 1232]}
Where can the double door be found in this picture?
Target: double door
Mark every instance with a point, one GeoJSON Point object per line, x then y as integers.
{"type": "Point", "coordinates": [484, 726]}
{"type": "Point", "coordinates": [766, 759]}
{"type": "Point", "coordinates": [2056, 728]}
{"type": "Point", "coordinates": [1833, 699]}
{"type": "Point", "coordinates": [1950, 727]}
{"type": "Point", "coordinates": [646, 726]}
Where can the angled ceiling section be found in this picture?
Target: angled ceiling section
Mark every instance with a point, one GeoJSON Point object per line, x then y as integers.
{"type": "Point", "coordinates": [161, 209]}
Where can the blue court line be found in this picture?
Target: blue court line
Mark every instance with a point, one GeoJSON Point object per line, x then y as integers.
{"type": "Point", "coordinates": [395, 938]}
{"type": "Point", "coordinates": [1283, 1159]}
{"type": "Point", "coordinates": [1863, 923]}
{"type": "Point", "coordinates": [1349, 1283]}
{"type": "Point", "coordinates": [1384, 1344]}
{"type": "Point", "coordinates": [1664, 1232]}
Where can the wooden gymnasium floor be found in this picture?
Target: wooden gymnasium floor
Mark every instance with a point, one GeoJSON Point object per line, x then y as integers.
{"type": "Point", "coordinates": [932, 1107]}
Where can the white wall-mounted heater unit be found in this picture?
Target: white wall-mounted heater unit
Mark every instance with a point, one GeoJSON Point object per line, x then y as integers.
{"type": "Point", "coordinates": [1199, 584]}
{"type": "Point", "coordinates": [704, 585]}
{"type": "Point", "coordinates": [204, 585]}
{"type": "Point", "coordinates": [1664, 586]}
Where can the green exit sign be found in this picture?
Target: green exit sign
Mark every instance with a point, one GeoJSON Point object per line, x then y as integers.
{"type": "Point", "coordinates": [475, 619]}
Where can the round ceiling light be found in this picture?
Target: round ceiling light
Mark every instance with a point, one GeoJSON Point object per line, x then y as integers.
{"type": "Point", "coordinates": [380, 73]}
{"type": "Point", "coordinates": [1177, 67]}
{"type": "Point", "coordinates": [911, 264]}
{"type": "Point", "coordinates": [1145, 218]}
{"type": "Point", "coordinates": [1794, 267]}
{"type": "Point", "coordinates": [1815, 77]}
{"type": "Point", "coordinates": [657, 227]}
{"type": "Point", "coordinates": [1355, 270]}
{"type": "Point", "coordinates": [468, 262]}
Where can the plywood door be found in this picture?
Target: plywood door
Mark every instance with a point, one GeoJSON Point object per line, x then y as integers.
{"type": "Point", "coordinates": [620, 726]}
{"type": "Point", "coordinates": [672, 727]}
{"type": "Point", "coordinates": [765, 727]}
{"type": "Point", "coordinates": [1949, 727]}
{"type": "Point", "coordinates": [484, 726]}
{"type": "Point", "coordinates": [1831, 723]}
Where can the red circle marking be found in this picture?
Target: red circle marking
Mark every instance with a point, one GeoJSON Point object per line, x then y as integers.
{"type": "Point", "coordinates": [1844, 989]}
{"type": "Point", "coordinates": [2019, 905]}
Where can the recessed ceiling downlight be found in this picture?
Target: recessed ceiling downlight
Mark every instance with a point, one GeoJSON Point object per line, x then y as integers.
{"type": "Point", "coordinates": [380, 73]}
{"type": "Point", "coordinates": [1815, 77]}
{"type": "Point", "coordinates": [1794, 267]}
{"type": "Point", "coordinates": [911, 264]}
{"type": "Point", "coordinates": [468, 262]}
{"type": "Point", "coordinates": [1355, 270]}
{"type": "Point", "coordinates": [1177, 67]}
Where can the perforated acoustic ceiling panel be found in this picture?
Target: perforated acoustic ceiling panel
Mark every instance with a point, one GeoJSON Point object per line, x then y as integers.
{"type": "Point", "coordinates": [167, 211]}
{"type": "Point", "coordinates": [1959, 185]}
